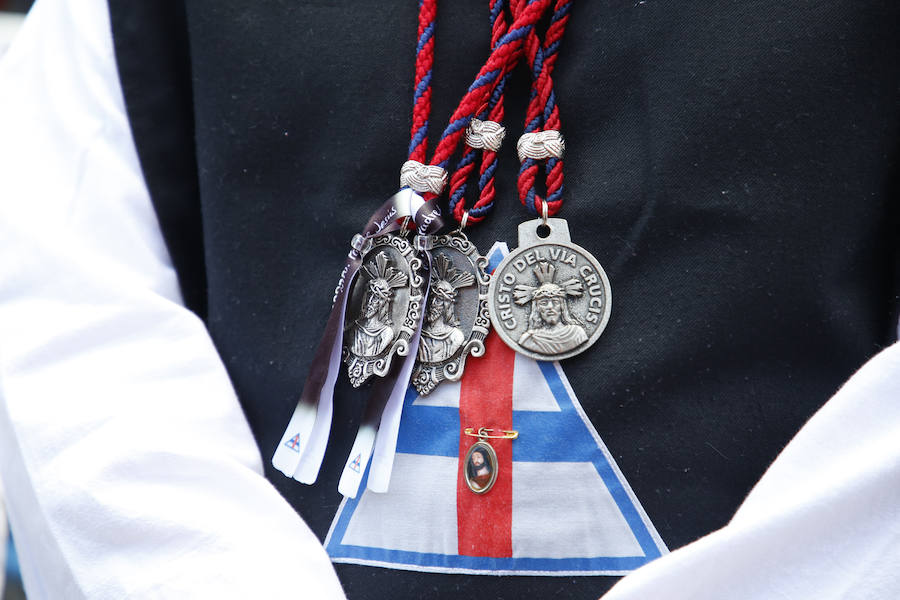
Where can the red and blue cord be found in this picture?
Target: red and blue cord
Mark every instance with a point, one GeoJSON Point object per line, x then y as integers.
{"type": "Point", "coordinates": [543, 112]}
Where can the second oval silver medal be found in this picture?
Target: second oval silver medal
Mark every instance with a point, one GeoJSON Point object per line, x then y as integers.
{"type": "Point", "coordinates": [456, 318]}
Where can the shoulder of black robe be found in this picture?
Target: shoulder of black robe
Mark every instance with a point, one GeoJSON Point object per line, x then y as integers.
{"type": "Point", "coordinates": [152, 56]}
{"type": "Point", "coordinates": [731, 164]}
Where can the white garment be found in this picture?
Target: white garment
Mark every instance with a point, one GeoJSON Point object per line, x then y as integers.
{"type": "Point", "coordinates": [129, 467]}
{"type": "Point", "coordinates": [824, 521]}
{"type": "Point", "coordinates": [4, 536]}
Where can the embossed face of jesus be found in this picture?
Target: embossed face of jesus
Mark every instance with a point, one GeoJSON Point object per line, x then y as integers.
{"type": "Point", "coordinates": [376, 300]}
{"type": "Point", "coordinates": [436, 309]}
{"type": "Point", "coordinates": [440, 306]}
{"type": "Point", "coordinates": [550, 309]}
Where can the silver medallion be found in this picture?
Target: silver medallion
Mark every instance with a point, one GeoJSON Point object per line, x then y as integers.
{"type": "Point", "coordinates": [456, 318]}
{"type": "Point", "coordinates": [549, 299]}
{"type": "Point", "coordinates": [383, 308]}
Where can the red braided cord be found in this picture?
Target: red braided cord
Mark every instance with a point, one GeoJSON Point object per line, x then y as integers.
{"type": "Point", "coordinates": [458, 179]}
{"type": "Point", "coordinates": [487, 194]}
{"type": "Point", "coordinates": [543, 86]}
{"type": "Point", "coordinates": [476, 98]}
{"type": "Point", "coordinates": [424, 65]}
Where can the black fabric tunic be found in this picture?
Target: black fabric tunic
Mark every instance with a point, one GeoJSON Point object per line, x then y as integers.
{"type": "Point", "coordinates": [730, 163]}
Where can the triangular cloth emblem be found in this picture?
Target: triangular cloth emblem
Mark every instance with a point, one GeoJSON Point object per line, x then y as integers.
{"type": "Point", "coordinates": [560, 505]}
{"type": "Point", "coordinates": [294, 443]}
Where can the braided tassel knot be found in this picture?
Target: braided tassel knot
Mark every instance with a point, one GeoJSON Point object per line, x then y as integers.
{"type": "Point", "coordinates": [541, 145]}
{"type": "Point", "coordinates": [423, 178]}
{"type": "Point", "coordinates": [485, 134]}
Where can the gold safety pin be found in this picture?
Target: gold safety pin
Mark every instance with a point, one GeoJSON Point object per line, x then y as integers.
{"type": "Point", "coordinates": [487, 432]}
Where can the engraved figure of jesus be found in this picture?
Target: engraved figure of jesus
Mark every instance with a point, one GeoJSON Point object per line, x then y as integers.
{"type": "Point", "coordinates": [441, 337]}
{"type": "Point", "coordinates": [551, 327]}
{"type": "Point", "coordinates": [373, 331]}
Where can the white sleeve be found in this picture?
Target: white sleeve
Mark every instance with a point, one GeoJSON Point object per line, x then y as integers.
{"type": "Point", "coordinates": [129, 468]}
{"type": "Point", "coordinates": [4, 538]}
{"type": "Point", "coordinates": [822, 523]}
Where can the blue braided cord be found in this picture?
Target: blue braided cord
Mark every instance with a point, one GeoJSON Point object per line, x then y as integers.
{"type": "Point", "coordinates": [487, 175]}
{"type": "Point", "coordinates": [552, 49]}
{"type": "Point", "coordinates": [467, 159]}
{"type": "Point", "coordinates": [460, 123]}
{"type": "Point", "coordinates": [427, 34]}
{"type": "Point", "coordinates": [538, 63]}
{"type": "Point", "coordinates": [495, 12]}
{"type": "Point", "coordinates": [551, 103]}
{"type": "Point", "coordinates": [456, 197]}
{"type": "Point", "coordinates": [486, 79]}
{"type": "Point", "coordinates": [561, 12]}
{"type": "Point", "coordinates": [422, 132]}
{"type": "Point", "coordinates": [529, 203]}
{"type": "Point", "coordinates": [423, 85]}
{"type": "Point", "coordinates": [533, 124]}
{"type": "Point", "coordinates": [515, 34]}
{"type": "Point", "coordinates": [557, 195]}
{"type": "Point", "coordinates": [481, 211]}
{"type": "Point", "coordinates": [498, 91]}
{"type": "Point", "coordinates": [418, 138]}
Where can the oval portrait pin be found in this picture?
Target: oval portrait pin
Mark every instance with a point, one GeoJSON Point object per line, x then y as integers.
{"type": "Point", "coordinates": [549, 299]}
{"type": "Point", "coordinates": [481, 467]}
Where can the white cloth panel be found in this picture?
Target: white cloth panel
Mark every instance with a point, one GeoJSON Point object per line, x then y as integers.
{"type": "Point", "coordinates": [421, 525]}
{"type": "Point", "coordinates": [544, 527]}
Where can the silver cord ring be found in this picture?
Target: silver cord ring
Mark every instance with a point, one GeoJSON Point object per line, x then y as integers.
{"type": "Point", "coordinates": [464, 220]}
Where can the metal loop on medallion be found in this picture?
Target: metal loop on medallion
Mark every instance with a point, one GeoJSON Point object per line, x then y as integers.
{"type": "Point", "coordinates": [361, 243]}
{"type": "Point", "coordinates": [487, 433]}
{"type": "Point", "coordinates": [544, 213]}
{"type": "Point", "coordinates": [423, 178]}
{"type": "Point", "coordinates": [485, 134]}
{"type": "Point", "coordinates": [541, 145]}
{"type": "Point", "coordinates": [423, 243]}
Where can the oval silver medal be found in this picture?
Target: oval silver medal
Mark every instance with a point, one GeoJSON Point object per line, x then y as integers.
{"type": "Point", "coordinates": [549, 298]}
{"type": "Point", "coordinates": [383, 308]}
{"type": "Point", "coordinates": [456, 316]}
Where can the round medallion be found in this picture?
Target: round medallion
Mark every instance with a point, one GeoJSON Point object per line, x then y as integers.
{"type": "Point", "coordinates": [480, 467]}
{"type": "Point", "coordinates": [549, 299]}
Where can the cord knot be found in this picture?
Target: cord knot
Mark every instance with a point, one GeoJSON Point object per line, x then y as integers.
{"type": "Point", "coordinates": [485, 134]}
{"type": "Point", "coordinates": [423, 178]}
{"type": "Point", "coordinates": [541, 145]}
